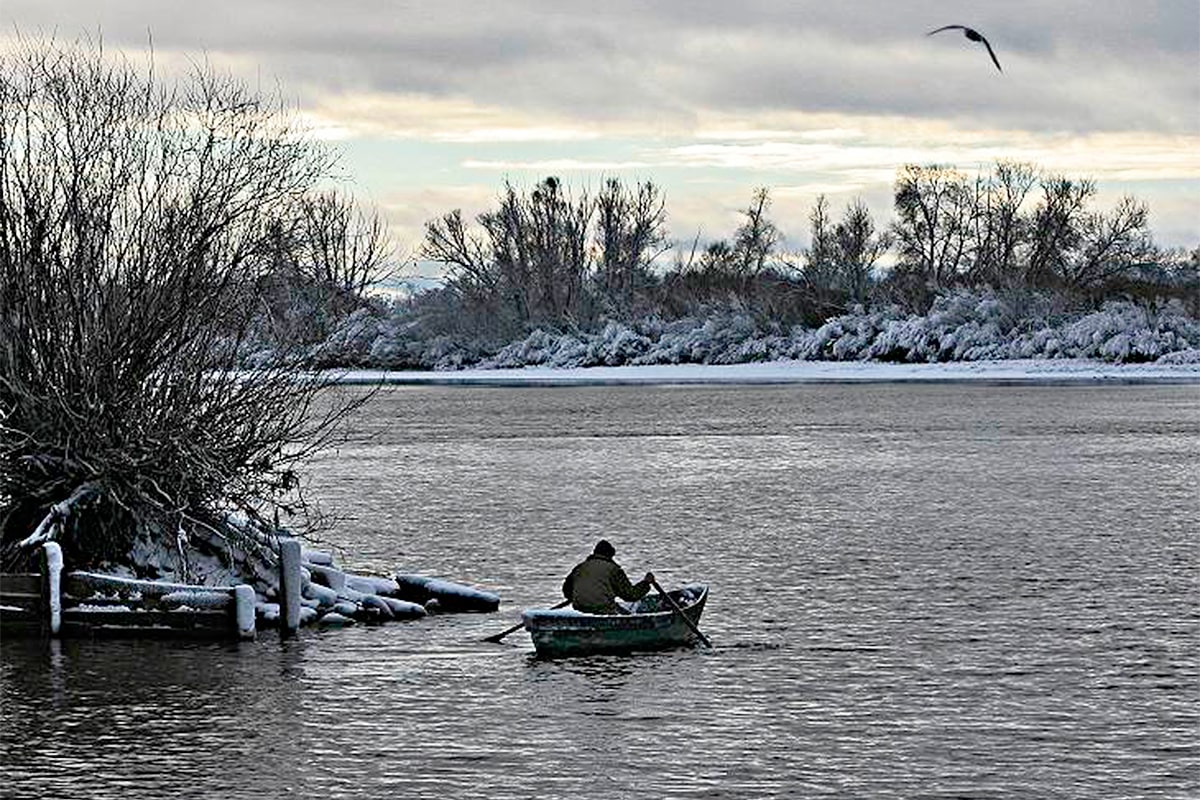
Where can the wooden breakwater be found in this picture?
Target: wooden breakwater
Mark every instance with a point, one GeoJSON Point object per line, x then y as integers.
{"type": "Point", "coordinates": [58, 603]}
{"type": "Point", "coordinates": [307, 588]}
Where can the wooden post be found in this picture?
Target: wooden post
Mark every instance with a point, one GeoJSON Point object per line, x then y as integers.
{"type": "Point", "coordinates": [51, 562]}
{"type": "Point", "coordinates": [243, 602]}
{"type": "Point", "coordinates": [289, 586]}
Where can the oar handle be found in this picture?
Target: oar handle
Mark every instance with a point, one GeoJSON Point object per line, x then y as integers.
{"type": "Point", "coordinates": [498, 636]}
{"type": "Point", "coordinates": [671, 600]}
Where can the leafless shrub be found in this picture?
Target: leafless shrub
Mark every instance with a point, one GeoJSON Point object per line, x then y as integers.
{"type": "Point", "coordinates": [133, 217]}
{"type": "Point", "coordinates": [543, 257]}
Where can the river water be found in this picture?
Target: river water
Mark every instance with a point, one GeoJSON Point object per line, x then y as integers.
{"type": "Point", "coordinates": [916, 591]}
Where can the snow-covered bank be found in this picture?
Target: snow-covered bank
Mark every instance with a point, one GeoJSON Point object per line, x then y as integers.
{"type": "Point", "coordinates": [1023, 371]}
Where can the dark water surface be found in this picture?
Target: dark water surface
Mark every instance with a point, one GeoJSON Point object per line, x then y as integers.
{"type": "Point", "coordinates": [917, 591]}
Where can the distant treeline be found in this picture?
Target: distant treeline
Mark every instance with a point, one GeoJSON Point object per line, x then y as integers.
{"type": "Point", "coordinates": [550, 257]}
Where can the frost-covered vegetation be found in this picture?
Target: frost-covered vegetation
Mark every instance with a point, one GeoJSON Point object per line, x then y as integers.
{"type": "Point", "coordinates": [961, 326]}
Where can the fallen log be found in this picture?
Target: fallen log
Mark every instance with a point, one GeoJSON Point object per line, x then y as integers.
{"type": "Point", "coordinates": [451, 597]}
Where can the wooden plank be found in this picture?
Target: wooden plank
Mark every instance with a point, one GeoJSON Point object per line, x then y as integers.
{"type": "Point", "coordinates": [84, 584]}
{"type": "Point", "coordinates": [78, 630]}
{"type": "Point", "coordinates": [73, 602]}
{"type": "Point", "coordinates": [20, 623]}
{"type": "Point", "coordinates": [20, 583]}
{"type": "Point", "coordinates": [26, 602]}
{"type": "Point", "coordinates": [187, 620]}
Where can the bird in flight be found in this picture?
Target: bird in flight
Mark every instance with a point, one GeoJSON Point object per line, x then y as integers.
{"type": "Point", "coordinates": [973, 35]}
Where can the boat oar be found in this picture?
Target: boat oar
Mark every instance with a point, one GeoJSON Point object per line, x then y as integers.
{"type": "Point", "coordinates": [497, 637]}
{"type": "Point", "coordinates": [678, 610]}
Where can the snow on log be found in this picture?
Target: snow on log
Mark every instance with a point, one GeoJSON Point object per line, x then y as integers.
{"type": "Point", "coordinates": [322, 594]}
{"type": "Point", "coordinates": [195, 598]}
{"type": "Point", "coordinates": [370, 601]}
{"type": "Point", "coordinates": [244, 610]}
{"type": "Point", "coordinates": [318, 557]}
{"type": "Point", "coordinates": [402, 609]}
{"type": "Point", "coordinates": [334, 619]}
{"type": "Point", "coordinates": [352, 595]}
{"type": "Point", "coordinates": [289, 585]}
{"type": "Point", "coordinates": [307, 615]}
{"type": "Point", "coordinates": [369, 584]}
{"type": "Point", "coordinates": [268, 612]}
{"type": "Point", "coordinates": [451, 597]}
{"type": "Point", "coordinates": [48, 528]}
{"type": "Point", "coordinates": [105, 608]}
{"type": "Point", "coordinates": [52, 565]}
{"type": "Point", "coordinates": [327, 576]}
{"type": "Point", "coordinates": [345, 608]}
{"type": "Point", "coordinates": [80, 584]}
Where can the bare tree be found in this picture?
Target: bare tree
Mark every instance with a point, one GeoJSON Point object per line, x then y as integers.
{"type": "Point", "coordinates": [1110, 245]}
{"type": "Point", "coordinates": [935, 206]}
{"type": "Point", "coordinates": [341, 247]}
{"type": "Point", "coordinates": [1055, 228]}
{"type": "Point", "coordinates": [839, 263]}
{"type": "Point", "coordinates": [532, 258]}
{"type": "Point", "coordinates": [631, 235]}
{"type": "Point", "coordinates": [819, 264]}
{"type": "Point", "coordinates": [1000, 227]}
{"type": "Point", "coordinates": [859, 247]}
{"type": "Point", "coordinates": [756, 239]}
{"type": "Point", "coordinates": [541, 256]}
{"type": "Point", "coordinates": [132, 219]}
{"type": "Point", "coordinates": [466, 255]}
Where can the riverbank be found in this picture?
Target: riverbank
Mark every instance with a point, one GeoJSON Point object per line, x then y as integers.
{"type": "Point", "coordinates": [1019, 372]}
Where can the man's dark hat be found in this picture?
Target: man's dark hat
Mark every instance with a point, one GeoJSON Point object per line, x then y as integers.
{"type": "Point", "coordinates": [604, 548]}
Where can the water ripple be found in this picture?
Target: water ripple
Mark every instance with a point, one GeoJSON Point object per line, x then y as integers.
{"type": "Point", "coordinates": [917, 591]}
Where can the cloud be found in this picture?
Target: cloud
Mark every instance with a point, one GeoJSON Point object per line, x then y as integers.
{"type": "Point", "coordinates": [707, 96]}
{"type": "Point", "coordinates": [1122, 157]}
{"type": "Point", "coordinates": [553, 166]}
{"type": "Point", "coordinates": [1079, 66]}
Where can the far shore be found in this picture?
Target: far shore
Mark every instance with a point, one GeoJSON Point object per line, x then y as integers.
{"type": "Point", "coordinates": [1016, 372]}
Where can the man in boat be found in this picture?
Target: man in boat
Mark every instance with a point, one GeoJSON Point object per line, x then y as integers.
{"type": "Point", "coordinates": [595, 584]}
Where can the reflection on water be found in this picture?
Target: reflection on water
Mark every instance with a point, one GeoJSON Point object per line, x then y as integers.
{"type": "Point", "coordinates": [916, 591]}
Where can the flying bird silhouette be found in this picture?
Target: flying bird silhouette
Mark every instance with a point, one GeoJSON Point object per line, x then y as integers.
{"type": "Point", "coordinates": [974, 36]}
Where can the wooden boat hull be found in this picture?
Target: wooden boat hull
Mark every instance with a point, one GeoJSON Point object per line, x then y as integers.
{"type": "Point", "coordinates": [652, 626]}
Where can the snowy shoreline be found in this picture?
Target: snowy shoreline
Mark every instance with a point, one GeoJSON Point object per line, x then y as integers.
{"type": "Point", "coordinates": [1016, 372]}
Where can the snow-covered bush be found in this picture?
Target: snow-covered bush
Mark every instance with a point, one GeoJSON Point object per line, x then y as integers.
{"type": "Point", "coordinates": [960, 326]}
{"type": "Point", "coordinates": [1122, 331]}
{"type": "Point", "coordinates": [616, 345]}
{"type": "Point", "coordinates": [351, 342]}
{"type": "Point", "coordinates": [1191, 356]}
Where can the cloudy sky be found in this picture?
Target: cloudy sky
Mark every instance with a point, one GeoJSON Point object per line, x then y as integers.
{"type": "Point", "coordinates": [433, 103]}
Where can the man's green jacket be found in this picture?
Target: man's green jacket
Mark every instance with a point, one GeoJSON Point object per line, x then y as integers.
{"type": "Point", "coordinates": [594, 585]}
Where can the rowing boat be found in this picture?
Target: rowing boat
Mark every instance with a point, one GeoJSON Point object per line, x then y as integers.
{"type": "Point", "coordinates": [651, 625]}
